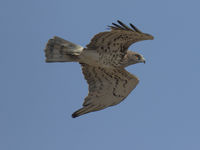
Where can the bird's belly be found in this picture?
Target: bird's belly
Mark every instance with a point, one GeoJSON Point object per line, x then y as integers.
{"type": "Point", "coordinates": [91, 57]}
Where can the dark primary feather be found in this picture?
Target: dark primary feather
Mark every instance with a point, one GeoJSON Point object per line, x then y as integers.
{"type": "Point", "coordinates": [118, 26]}
{"type": "Point", "coordinates": [135, 28]}
{"type": "Point", "coordinates": [122, 26]}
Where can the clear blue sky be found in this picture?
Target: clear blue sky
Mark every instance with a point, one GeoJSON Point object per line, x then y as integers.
{"type": "Point", "coordinates": [37, 99]}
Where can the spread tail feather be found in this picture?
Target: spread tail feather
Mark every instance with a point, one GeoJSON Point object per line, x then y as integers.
{"type": "Point", "coordinates": [60, 50]}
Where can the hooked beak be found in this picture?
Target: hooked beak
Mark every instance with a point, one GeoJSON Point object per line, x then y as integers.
{"type": "Point", "coordinates": [143, 60]}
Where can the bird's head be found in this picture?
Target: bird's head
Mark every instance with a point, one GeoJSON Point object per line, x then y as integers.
{"type": "Point", "coordinates": [137, 58]}
{"type": "Point", "coordinates": [133, 58]}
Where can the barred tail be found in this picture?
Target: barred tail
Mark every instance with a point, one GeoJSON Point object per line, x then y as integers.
{"type": "Point", "coordinates": [60, 50]}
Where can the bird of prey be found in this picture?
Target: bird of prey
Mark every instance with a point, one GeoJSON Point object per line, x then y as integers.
{"type": "Point", "coordinates": [103, 63]}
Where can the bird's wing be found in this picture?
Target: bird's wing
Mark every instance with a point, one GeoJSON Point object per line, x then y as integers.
{"type": "Point", "coordinates": [112, 45]}
{"type": "Point", "coordinates": [107, 87]}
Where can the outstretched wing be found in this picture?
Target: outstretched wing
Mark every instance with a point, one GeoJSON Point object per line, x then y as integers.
{"type": "Point", "coordinates": [113, 45]}
{"type": "Point", "coordinates": [107, 87]}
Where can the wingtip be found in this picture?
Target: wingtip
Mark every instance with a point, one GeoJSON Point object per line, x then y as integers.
{"type": "Point", "coordinates": [151, 37]}
{"type": "Point", "coordinates": [119, 21]}
{"type": "Point", "coordinates": [74, 115]}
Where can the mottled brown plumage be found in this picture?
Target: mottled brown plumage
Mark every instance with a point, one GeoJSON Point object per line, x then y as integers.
{"type": "Point", "coordinates": [103, 62]}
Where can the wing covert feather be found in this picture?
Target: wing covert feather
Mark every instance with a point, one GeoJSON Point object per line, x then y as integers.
{"type": "Point", "coordinates": [107, 87]}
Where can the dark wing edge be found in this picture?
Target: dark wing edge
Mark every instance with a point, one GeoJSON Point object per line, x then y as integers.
{"type": "Point", "coordinates": [122, 26]}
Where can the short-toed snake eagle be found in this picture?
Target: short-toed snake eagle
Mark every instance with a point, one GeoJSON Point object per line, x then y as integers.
{"type": "Point", "coordinates": [103, 62]}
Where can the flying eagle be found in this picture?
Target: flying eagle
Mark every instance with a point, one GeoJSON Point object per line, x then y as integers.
{"type": "Point", "coordinates": [103, 63]}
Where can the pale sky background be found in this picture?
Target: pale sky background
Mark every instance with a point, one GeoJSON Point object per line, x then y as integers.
{"type": "Point", "coordinates": [37, 99]}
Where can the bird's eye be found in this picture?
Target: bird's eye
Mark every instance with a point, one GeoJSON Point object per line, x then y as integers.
{"type": "Point", "coordinates": [137, 57]}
